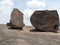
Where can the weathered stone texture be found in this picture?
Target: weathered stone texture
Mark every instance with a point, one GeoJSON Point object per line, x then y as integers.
{"type": "Point", "coordinates": [47, 20]}
{"type": "Point", "coordinates": [16, 19]}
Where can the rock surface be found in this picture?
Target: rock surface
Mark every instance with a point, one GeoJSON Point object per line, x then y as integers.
{"type": "Point", "coordinates": [27, 36]}
{"type": "Point", "coordinates": [47, 20]}
{"type": "Point", "coordinates": [16, 19]}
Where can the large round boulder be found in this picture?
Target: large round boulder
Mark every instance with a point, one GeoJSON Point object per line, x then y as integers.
{"type": "Point", "coordinates": [47, 20]}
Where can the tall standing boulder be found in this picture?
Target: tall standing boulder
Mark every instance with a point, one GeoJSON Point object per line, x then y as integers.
{"type": "Point", "coordinates": [47, 20]}
{"type": "Point", "coordinates": [16, 19]}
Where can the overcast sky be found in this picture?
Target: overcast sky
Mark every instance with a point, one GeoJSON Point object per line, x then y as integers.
{"type": "Point", "coordinates": [27, 7]}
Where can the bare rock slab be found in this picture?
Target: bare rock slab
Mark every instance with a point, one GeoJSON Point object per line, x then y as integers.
{"type": "Point", "coordinates": [16, 19]}
{"type": "Point", "coordinates": [25, 37]}
{"type": "Point", "coordinates": [47, 20]}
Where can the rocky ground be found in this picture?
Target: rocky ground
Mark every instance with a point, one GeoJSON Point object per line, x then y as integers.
{"type": "Point", "coordinates": [27, 36]}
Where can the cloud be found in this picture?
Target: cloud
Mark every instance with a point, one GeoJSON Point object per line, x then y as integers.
{"type": "Point", "coordinates": [36, 3]}
{"type": "Point", "coordinates": [27, 15]}
{"type": "Point", "coordinates": [5, 9]}
{"type": "Point", "coordinates": [28, 12]}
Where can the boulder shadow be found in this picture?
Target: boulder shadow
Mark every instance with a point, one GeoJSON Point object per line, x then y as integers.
{"type": "Point", "coordinates": [15, 28]}
{"type": "Point", "coordinates": [36, 30]}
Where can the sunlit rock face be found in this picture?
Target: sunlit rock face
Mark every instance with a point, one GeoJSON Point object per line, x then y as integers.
{"type": "Point", "coordinates": [46, 20]}
{"type": "Point", "coordinates": [16, 20]}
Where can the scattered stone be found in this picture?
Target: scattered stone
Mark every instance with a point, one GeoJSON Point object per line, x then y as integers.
{"type": "Point", "coordinates": [47, 20]}
{"type": "Point", "coordinates": [8, 24]}
{"type": "Point", "coordinates": [16, 19]}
